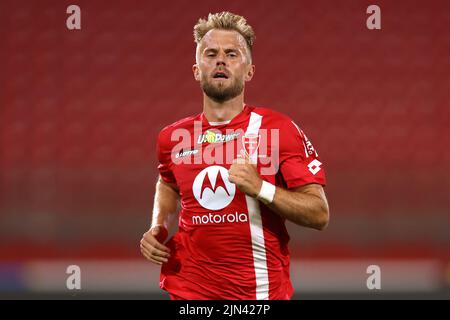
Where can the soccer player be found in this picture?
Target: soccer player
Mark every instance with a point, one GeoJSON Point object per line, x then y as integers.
{"type": "Point", "coordinates": [238, 171]}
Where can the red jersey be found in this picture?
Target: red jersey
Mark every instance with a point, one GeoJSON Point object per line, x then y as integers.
{"type": "Point", "coordinates": [230, 245]}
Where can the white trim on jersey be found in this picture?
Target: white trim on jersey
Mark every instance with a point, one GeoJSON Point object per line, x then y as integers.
{"type": "Point", "coordinates": [301, 136]}
{"type": "Point", "coordinates": [256, 228]}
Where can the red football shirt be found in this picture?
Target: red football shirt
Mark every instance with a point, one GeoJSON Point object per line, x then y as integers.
{"type": "Point", "coordinates": [229, 245]}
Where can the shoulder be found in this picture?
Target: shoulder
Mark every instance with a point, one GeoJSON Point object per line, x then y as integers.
{"type": "Point", "coordinates": [187, 123]}
{"type": "Point", "coordinates": [275, 119]}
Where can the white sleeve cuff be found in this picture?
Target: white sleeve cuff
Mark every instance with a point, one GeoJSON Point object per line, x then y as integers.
{"type": "Point", "coordinates": [267, 192]}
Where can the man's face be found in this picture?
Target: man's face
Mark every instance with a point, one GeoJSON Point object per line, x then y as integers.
{"type": "Point", "coordinates": [223, 64]}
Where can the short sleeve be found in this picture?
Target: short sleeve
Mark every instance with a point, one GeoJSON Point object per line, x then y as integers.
{"type": "Point", "coordinates": [163, 150]}
{"type": "Point", "coordinates": [299, 161]}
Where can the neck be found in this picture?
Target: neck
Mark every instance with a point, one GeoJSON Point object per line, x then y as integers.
{"type": "Point", "coordinates": [218, 112]}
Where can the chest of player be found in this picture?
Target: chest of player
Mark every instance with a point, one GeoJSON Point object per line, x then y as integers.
{"type": "Point", "coordinates": [201, 165]}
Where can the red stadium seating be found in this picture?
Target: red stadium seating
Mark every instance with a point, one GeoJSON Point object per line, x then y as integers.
{"type": "Point", "coordinates": [80, 112]}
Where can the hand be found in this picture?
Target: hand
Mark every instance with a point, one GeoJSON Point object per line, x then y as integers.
{"type": "Point", "coordinates": [152, 247]}
{"type": "Point", "coordinates": [245, 176]}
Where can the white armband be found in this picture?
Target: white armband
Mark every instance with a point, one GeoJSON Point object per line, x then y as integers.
{"type": "Point", "coordinates": [267, 192]}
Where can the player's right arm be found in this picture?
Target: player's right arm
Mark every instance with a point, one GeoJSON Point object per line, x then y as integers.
{"type": "Point", "coordinates": [165, 207]}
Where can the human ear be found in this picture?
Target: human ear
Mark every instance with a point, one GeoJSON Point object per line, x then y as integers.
{"type": "Point", "coordinates": [250, 72]}
{"type": "Point", "coordinates": [196, 72]}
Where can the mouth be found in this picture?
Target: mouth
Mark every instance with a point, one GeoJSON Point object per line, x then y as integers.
{"type": "Point", "coordinates": [220, 75]}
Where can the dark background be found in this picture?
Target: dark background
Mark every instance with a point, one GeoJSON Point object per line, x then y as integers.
{"type": "Point", "coordinates": [80, 111]}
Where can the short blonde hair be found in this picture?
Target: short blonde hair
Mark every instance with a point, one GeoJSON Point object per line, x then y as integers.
{"type": "Point", "coordinates": [225, 21]}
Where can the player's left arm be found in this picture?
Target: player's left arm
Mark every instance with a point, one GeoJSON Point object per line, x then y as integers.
{"type": "Point", "coordinates": [305, 205]}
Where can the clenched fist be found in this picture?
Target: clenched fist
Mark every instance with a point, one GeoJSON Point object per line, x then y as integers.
{"type": "Point", "coordinates": [152, 247]}
{"type": "Point", "coordinates": [245, 176]}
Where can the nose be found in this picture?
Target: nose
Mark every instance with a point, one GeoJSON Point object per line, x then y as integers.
{"type": "Point", "coordinates": [221, 59]}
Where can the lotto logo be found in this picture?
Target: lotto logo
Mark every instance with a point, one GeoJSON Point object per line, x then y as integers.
{"type": "Point", "coordinates": [314, 166]}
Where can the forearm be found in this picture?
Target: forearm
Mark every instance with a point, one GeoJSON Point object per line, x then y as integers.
{"type": "Point", "coordinates": [308, 207]}
{"type": "Point", "coordinates": [165, 205]}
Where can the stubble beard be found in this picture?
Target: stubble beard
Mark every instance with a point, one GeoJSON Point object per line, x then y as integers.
{"type": "Point", "coordinates": [220, 92]}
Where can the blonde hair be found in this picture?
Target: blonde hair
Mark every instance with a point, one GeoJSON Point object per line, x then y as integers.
{"type": "Point", "coordinates": [226, 21]}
